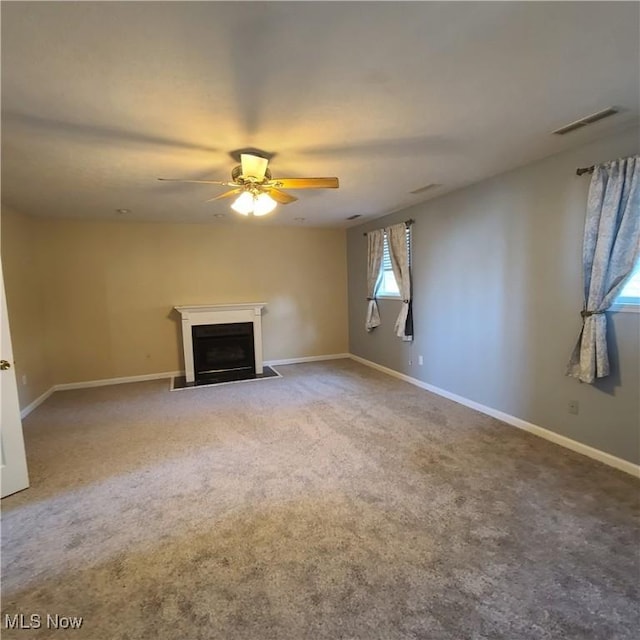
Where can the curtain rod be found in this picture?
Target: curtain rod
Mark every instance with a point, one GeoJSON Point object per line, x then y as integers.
{"type": "Point", "coordinates": [407, 222]}
{"type": "Point", "coordinates": [582, 170]}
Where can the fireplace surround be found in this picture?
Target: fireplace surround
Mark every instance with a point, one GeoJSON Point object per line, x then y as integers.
{"type": "Point", "coordinates": [222, 341]}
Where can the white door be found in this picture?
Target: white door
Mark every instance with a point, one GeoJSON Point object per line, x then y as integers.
{"type": "Point", "coordinates": [14, 462]}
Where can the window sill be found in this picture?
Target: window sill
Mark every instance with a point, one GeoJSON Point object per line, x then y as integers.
{"type": "Point", "coordinates": [624, 308]}
{"type": "Point", "coordinates": [381, 296]}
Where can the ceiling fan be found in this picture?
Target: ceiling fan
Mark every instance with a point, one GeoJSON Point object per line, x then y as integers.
{"type": "Point", "coordinates": [258, 193]}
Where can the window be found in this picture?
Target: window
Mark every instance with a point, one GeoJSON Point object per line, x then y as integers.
{"type": "Point", "coordinates": [629, 297]}
{"type": "Point", "coordinates": [387, 285]}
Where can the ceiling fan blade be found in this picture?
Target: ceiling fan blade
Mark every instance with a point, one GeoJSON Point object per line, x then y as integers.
{"type": "Point", "coordinates": [253, 166]}
{"type": "Point", "coordinates": [305, 183]}
{"type": "Point", "coordinates": [226, 194]}
{"type": "Point", "coordinates": [281, 196]}
{"type": "Point", "coordinates": [225, 184]}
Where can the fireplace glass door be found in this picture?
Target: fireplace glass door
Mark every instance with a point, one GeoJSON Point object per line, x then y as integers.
{"type": "Point", "coordinates": [223, 352]}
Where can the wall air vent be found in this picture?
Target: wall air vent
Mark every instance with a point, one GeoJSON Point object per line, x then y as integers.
{"type": "Point", "coordinates": [426, 188]}
{"type": "Point", "coordinates": [354, 216]}
{"type": "Point", "coordinates": [583, 122]}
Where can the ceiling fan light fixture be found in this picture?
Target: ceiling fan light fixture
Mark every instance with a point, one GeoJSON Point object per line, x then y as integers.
{"type": "Point", "coordinates": [243, 204]}
{"type": "Point", "coordinates": [263, 204]}
{"type": "Point", "coordinates": [259, 204]}
{"type": "Point", "coordinates": [257, 192]}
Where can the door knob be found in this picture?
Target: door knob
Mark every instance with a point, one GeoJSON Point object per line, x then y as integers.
{"type": "Point", "coordinates": [4, 364]}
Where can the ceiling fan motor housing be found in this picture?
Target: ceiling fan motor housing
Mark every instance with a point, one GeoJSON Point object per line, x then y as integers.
{"type": "Point", "coordinates": [236, 175]}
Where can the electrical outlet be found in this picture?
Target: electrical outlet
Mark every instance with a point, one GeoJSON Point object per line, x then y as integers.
{"type": "Point", "coordinates": [574, 407]}
{"type": "Point", "coordinates": [420, 360]}
{"type": "Point", "coordinates": [24, 378]}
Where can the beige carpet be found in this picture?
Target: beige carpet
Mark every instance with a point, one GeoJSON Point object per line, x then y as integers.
{"type": "Point", "coordinates": [335, 502]}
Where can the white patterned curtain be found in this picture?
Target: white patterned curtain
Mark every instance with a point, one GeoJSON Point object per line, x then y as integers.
{"type": "Point", "coordinates": [610, 250]}
{"type": "Point", "coordinates": [397, 240]}
{"type": "Point", "coordinates": [375, 249]}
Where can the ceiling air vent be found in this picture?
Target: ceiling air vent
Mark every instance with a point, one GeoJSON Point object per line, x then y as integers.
{"type": "Point", "coordinates": [426, 188]}
{"type": "Point", "coordinates": [354, 216]}
{"type": "Point", "coordinates": [583, 122]}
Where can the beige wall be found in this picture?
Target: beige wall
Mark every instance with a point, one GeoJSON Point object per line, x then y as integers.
{"type": "Point", "coordinates": [23, 286]}
{"type": "Point", "coordinates": [110, 287]}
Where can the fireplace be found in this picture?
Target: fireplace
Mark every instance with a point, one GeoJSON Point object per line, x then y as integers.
{"type": "Point", "coordinates": [222, 340]}
{"type": "Point", "coordinates": [223, 352]}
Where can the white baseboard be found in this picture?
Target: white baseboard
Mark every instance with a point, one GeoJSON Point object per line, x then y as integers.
{"type": "Point", "coordinates": [591, 452]}
{"type": "Point", "coordinates": [36, 403]}
{"type": "Point", "coordinates": [333, 356]}
{"type": "Point", "coordinates": [109, 381]}
{"type": "Point", "coordinates": [563, 441]}
{"type": "Point", "coordinates": [67, 386]}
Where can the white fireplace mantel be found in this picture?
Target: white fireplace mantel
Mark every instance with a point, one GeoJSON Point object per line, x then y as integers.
{"type": "Point", "coordinates": [220, 314]}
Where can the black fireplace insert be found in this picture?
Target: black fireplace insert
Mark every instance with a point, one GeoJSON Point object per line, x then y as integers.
{"type": "Point", "coordinates": [223, 352]}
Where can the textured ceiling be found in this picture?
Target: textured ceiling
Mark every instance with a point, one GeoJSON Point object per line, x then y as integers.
{"type": "Point", "coordinates": [100, 99]}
